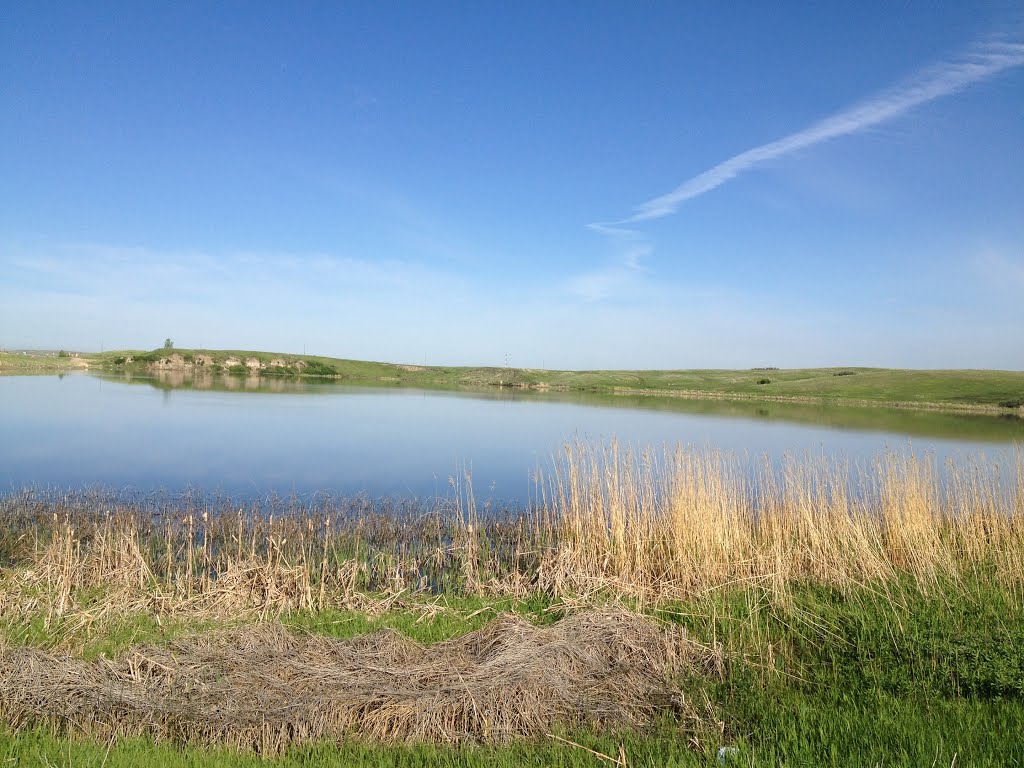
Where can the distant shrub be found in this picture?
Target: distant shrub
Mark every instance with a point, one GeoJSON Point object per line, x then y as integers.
{"type": "Point", "coordinates": [844, 373]}
{"type": "Point", "coordinates": [764, 381]}
{"type": "Point", "coordinates": [1012, 403]}
{"type": "Point", "coordinates": [316, 368]}
{"type": "Point", "coordinates": [280, 370]}
{"type": "Point", "coordinates": [239, 369]}
{"type": "Point", "coordinates": [766, 368]}
{"type": "Point", "coordinates": [62, 353]}
{"type": "Point", "coordinates": [119, 360]}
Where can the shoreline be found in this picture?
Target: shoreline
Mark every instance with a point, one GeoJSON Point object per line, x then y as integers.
{"type": "Point", "coordinates": [878, 619]}
{"type": "Point", "coordinates": [996, 393]}
{"type": "Point", "coordinates": [822, 400]}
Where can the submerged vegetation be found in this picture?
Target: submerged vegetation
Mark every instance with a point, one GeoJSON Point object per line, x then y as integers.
{"type": "Point", "coordinates": [807, 612]}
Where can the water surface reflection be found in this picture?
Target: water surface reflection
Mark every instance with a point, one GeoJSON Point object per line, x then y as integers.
{"type": "Point", "coordinates": [260, 435]}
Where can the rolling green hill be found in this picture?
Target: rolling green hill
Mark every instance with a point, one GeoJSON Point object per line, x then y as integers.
{"type": "Point", "coordinates": [945, 389]}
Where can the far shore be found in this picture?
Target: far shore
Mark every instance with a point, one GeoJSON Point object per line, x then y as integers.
{"type": "Point", "coordinates": [968, 391]}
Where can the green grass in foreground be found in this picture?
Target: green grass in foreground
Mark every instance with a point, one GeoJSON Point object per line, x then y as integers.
{"type": "Point", "coordinates": [994, 389]}
{"type": "Point", "coordinates": [880, 675]}
{"type": "Point", "coordinates": [809, 731]}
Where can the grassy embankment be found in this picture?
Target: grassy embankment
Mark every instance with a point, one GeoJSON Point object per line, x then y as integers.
{"type": "Point", "coordinates": [998, 391]}
{"type": "Point", "coordinates": [870, 617]}
{"type": "Point", "coordinates": [41, 361]}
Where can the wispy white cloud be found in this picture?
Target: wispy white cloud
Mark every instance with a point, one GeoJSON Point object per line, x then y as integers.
{"type": "Point", "coordinates": [85, 296]}
{"type": "Point", "coordinates": [999, 268]}
{"type": "Point", "coordinates": [976, 64]}
{"type": "Point", "coordinates": [611, 231]}
{"type": "Point", "coordinates": [624, 275]}
{"type": "Point", "coordinates": [942, 79]}
{"type": "Point", "coordinates": [599, 284]}
{"type": "Point", "coordinates": [117, 270]}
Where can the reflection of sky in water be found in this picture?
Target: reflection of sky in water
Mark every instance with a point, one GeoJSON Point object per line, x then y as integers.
{"type": "Point", "coordinates": [80, 430]}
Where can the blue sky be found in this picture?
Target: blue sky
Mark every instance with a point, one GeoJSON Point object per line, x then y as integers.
{"type": "Point", "coordinates": [570, 185]}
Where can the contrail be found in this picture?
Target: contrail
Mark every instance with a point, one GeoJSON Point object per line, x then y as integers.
{"type": "Point", "coordinates": [939, 80]}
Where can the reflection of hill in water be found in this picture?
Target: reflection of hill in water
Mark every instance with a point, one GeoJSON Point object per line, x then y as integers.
{"type": "Point", "coordinates": [909, 422]}
{"type": "Point", "coordinates": [222, 382]}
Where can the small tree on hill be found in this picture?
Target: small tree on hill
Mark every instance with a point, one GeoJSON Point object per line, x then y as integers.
{"type": "Point", "coordinates": [168, 344]}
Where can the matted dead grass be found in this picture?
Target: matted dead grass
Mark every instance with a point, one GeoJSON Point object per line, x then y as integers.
{"type": "Point", "coordinates": [264, 688]}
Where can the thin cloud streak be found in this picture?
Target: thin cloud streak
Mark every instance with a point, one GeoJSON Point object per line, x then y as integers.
{"type": "Point", "coordinates": [600, 284]}
{"type": "Point", "coordinates": [940, 80]}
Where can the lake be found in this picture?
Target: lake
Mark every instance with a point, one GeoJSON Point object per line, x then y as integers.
{"type": "Point", "coordinates": [254, 437]}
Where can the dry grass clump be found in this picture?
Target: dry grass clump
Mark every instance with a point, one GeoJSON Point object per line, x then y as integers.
{"type": "Point", "coordinates": [263, 688]}
{"type": "Point", "coordinates": [194, 563]}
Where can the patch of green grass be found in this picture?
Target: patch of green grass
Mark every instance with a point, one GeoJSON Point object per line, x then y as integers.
{"type": "Point", "coordinates": [874, 676]}
{"type": "Point", "coordinates": [36, 362]}
{"type": "Point", "coordinates": [424, 620]}
{"type": "Point", "coordinates": [318, 368]}
{"type": "Point", "coordinates": [42, 749]}
{"type": "Point", "coordinates": [108, 637]}
{"type": "Point", "coordinates": [836, 727]}
{"type": "Point", "coordinates": [456, 616]}
{"type": "Point", "coordinates": [782, 729]}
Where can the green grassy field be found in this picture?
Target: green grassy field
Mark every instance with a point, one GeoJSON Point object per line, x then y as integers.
{"type": "Point", "coordinates": [39, 362]}
{"type": "Point", "coordinates": [854, 679]}
{"type": "Point", "coordinates": [981, 389]}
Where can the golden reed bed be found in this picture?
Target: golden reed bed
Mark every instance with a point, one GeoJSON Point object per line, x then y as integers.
{"type": "Point", "coordinates": [655, 525]}
{"type": "Point", "coordinates": [648, 528]}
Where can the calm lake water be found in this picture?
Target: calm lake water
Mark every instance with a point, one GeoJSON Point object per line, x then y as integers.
{"type": "Point", "coordinates": [254, 438]}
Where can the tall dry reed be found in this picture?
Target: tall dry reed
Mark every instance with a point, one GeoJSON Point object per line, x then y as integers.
{"type": "Point", "coordinates": [652, 524]}
{"type": "Point", "coordinates": [676, 521]}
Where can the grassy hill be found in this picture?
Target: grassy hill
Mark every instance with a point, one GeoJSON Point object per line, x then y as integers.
{"type": "Point", "coordinates": [40, 361]}
{"type": "Point", "coordinates": [1002, 390]}
{"type": "Point", "coordinates": [997, 391]}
